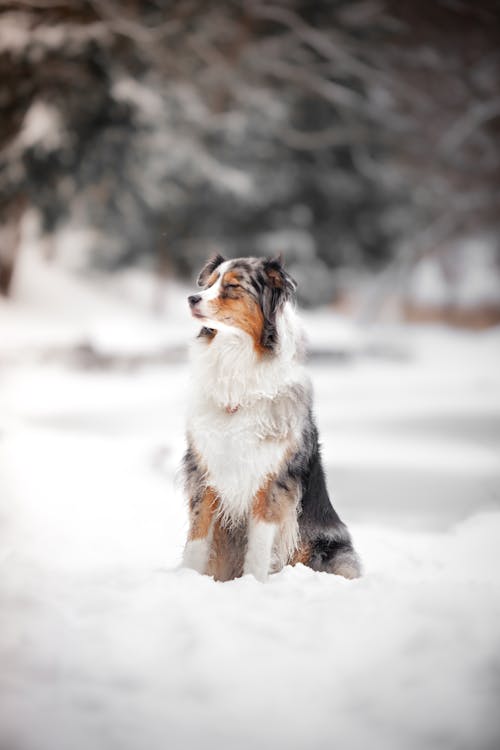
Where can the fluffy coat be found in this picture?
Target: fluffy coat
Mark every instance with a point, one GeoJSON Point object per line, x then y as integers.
{"type": "Point", "coordinates": [253, 474]}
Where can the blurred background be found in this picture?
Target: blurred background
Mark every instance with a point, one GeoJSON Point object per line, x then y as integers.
{"type": "Point", "coordinates": [360, 139]}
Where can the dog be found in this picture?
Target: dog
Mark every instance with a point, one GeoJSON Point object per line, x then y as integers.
{"type": "Point", "coordinates": [252, 469]}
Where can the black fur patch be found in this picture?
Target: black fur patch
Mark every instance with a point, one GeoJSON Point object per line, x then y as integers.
{"type": "Point", "coordinates": [320, 528]}
{"type": "Point", "coordinates": [324, 551]}
{"type": "Point", "coordinates": [278, 288]}
{"type": "Point", "coordinates": [207, 333]}
{"type": "Point", "coordinates": [193, 477]}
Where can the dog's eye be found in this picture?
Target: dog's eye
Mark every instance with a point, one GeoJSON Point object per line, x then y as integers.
{"type": "Point", "coordinates": [232, 286]}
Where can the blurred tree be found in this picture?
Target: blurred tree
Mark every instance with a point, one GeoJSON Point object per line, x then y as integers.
{"type": "Point", "coordinates": [343, 133]}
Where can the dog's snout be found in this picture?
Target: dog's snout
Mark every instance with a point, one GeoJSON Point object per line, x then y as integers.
{"type": "Point", "coordinates": [194, 299]}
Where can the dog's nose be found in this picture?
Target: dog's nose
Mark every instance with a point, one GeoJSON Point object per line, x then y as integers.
{"type": "Point", "coordinates": [194, 299]}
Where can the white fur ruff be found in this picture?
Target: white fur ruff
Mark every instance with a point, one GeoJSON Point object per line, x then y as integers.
{"type": "Point", "coordinates": [240, 449]}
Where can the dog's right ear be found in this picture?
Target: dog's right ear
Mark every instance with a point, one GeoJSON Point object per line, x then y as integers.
{"type": "Point", "coordinates": [209, 268]}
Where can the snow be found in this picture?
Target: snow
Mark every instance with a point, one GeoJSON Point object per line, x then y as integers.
{"type": "Point", "coordinates": [148, 102]}
{"type": "Point", "coordinates": [465, 275]}
{"type": "Point", "coordinates": [53, 309]}
{"type": "Point", "coordinates": [479, 270]}
{"type": "Point", "coordinates": [428, 284]}
{"type": "Point", "coordinates": [105, 643]}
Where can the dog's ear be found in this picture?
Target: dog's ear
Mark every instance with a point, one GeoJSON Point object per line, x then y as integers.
{"type": "Point", "coordinates": [277, 277]}
{"type": "Point", "coordinates": [209, 267]}
{"type": "Point", "coordinates": [279, 287]}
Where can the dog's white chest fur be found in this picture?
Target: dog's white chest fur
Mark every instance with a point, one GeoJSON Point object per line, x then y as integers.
{"type": "Point", "coordinates": [244, 416]}
{"type": "Point", "coordinates": [237, 453]}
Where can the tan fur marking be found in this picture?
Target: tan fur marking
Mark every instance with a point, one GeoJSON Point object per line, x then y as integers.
{"type": "Point", "coordinates": [275, 278]}
{"type": "Point", "coordinates": [302, 555]}
{"type": "Point", "coordinates": [227, 556]}
{"type": "Point", "coordinates": [230, 277]}
{"type": "Point", "coordinates": [238, 308]}
{"type": "Point", "coordinates": [260, 508]}
{"type": "Point", "coordinates": [201, 518]}
{"type": "Point", "coordinates": [268, 505]}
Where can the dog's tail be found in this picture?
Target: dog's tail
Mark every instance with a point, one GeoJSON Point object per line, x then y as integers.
{"type": "Point", "coordinates": [332, 551]}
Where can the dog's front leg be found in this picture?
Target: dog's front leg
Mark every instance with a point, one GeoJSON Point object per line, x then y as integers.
{"type": "Point", "coordinates": [201, 518]}
{"type": "Point", "coordinates": [261, 533]}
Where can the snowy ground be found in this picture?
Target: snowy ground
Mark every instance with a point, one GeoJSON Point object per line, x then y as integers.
{"type": "Point", "coordinates": [105, 644]}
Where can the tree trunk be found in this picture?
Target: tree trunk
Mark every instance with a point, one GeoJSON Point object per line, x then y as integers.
{"type": "Point", "coordinates": [10, 238]}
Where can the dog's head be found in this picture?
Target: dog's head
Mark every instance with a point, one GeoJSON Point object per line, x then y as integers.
{"type": "Point", "coordinates": [246, 293]}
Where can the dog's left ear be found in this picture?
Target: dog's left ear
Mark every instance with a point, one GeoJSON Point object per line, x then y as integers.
{"type": "Point", "coordinates": [279, 287]}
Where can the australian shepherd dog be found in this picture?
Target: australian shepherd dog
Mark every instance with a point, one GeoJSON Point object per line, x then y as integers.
{"type": "Point", "coordinates": [253, 473]}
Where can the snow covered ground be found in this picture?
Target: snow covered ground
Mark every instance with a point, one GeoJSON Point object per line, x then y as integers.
{"type": "Point", "coordinates": [106, 644]}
